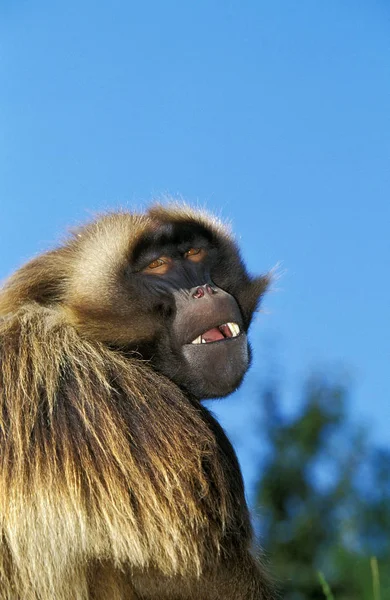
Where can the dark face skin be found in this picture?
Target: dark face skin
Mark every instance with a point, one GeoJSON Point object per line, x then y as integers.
{"type": "Point", "coordinates": [201, 341]}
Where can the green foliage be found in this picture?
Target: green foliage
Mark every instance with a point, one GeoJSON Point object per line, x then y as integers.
{"type": "Point", "coordinates": [323, 499]}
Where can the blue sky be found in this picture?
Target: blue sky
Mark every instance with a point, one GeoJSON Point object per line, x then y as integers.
{"type": "Point", "coordinates": [274, 114]}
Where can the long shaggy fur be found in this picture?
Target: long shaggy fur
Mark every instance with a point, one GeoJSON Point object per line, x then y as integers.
{"type": "Point", "coordinates": [109, 474]}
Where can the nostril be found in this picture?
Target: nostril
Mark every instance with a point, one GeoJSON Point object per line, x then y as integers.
{"type": "Point", "coordinates": [209, 289]}
{"type": "Point", "coordinates": [199, 293]}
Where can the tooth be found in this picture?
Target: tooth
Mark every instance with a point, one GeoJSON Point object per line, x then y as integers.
{"type": "Point", "coordinates": [197, 340]}
{"type": "Point", "coordinates": [204, 341]}
{"type": "Point", "coordinates": [234, 328]}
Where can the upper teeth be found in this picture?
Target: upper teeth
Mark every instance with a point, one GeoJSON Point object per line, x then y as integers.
{"type": "Point", "coordinates": [233, 327]}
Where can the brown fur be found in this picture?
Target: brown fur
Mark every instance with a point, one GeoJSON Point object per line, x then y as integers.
{"type": "Point", "coordinates": [114, 485]}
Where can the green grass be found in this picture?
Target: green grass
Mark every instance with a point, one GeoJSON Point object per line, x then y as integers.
{"type": "Point", "coordinates": [325, 587]}
{"type": "Point", "coordinates": [376, 587]}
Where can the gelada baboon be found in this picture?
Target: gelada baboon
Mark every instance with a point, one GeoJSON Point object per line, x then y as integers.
{"type": "Point", "coordinates": [115, 482]}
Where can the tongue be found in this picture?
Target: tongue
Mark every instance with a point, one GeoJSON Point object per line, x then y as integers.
{"type": "Point", "coordinates": [212, 335]}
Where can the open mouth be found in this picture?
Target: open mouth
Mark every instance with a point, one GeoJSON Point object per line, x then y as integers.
{"type": "Point", "coordinates": [216, 334]}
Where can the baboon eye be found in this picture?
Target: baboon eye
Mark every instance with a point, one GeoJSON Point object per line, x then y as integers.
{"type": "Point", "coordinates": [156, 263]}
{"type": "Point", "coordinates": [159, 266]}
{"type": "Point", "coordinates": [192, 251]}
{"type": "Point", "coordinates": [195, 254]}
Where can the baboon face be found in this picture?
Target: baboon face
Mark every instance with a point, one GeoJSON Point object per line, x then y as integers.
{"type": "Point", "coordinates": [200, 341]}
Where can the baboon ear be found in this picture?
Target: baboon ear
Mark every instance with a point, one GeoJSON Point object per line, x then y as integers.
{"type": "Point", "coordinates": [250, 296]}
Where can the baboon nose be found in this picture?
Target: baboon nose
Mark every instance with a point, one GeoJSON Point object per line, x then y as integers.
{"type": "Point", "coordinates": [203, 290]}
